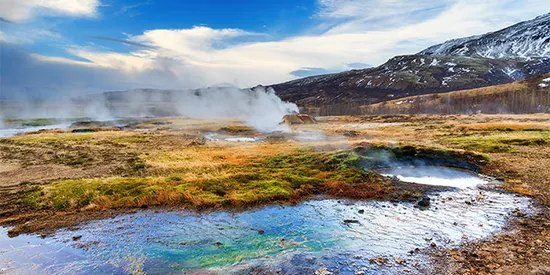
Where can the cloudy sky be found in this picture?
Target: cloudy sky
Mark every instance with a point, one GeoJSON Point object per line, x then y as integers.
{"type": "Point", "coordinates": [70, 47]}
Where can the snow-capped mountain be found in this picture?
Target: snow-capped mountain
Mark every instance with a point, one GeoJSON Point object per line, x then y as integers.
{"type": "Point", "coordinates": [514, 53]}
{"type": "Point", "coordinates": [408, 75]}
{"type": "Point", "coordinates": [528, 39]}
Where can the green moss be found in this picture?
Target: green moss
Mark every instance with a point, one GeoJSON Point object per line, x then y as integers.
{"type": "Point", "coordinates": [273, 179]}
{"type": "Point", "coordinates": [33, 199]}
{"type": "Point", "coordinates": [499, 142]}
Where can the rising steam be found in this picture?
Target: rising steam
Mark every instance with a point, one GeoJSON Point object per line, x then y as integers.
{"type": "Point", "coordinates": [259, 107]}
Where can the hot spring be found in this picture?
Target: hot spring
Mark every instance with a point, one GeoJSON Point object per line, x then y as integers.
{"type": "Point", "coordinates": [339, 235]}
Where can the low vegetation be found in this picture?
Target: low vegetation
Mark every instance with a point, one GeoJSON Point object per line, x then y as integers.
{"type": "Point", "coordinates": [288, 177]}
{"type": "Point", "coordinates": [498, 142]}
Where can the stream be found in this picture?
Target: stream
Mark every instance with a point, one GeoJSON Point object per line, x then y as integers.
{"type": "Point", "coordinates": [338, 235]}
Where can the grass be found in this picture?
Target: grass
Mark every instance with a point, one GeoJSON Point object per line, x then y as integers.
{"type": "Point", "coordinates": [287, 177]}
{"type": "Point", "coordinates": [53, 138]}
{"type": "Point", "coordinates": [498, 142]}
{"type": "Point", "coordinates": [238, 176]}
{"type": "Point", "coordinates": [506, 127]}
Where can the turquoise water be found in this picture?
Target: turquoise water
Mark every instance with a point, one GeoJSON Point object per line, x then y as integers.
{"type": "Point", "coordinates": [291, 239]}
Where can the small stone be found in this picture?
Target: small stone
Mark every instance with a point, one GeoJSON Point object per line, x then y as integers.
{"type": "Point", "coordinates": [379, 260]}
{"type": "Point", "coordinates": [351, 221]}
{"type": "Point", "coordinates": [398, 259]}
{"type": "Point", "coordinates": [261, 232]}
{"type": "Point", "coordinates": [425, 202]}
{"type": "Point", "coordinates": [219, 244]}
{"type": "Point", "coordinates": [322, 271]}
{"type": "Point", "coordinates": [433, 245]}
{"type": "Point", "coordinates": [480, 196]}
{"type": "Point", "coordinates": [361, 211]}
{"type": "Point", "coordinates": [76, 238]}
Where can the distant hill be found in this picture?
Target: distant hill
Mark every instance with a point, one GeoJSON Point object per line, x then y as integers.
{"type": "Point", "coordinates": [527, 96]}
{"type": "Point", "coordinates": [515, 53]}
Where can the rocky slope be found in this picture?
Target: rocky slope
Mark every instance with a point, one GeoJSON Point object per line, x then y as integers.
{"type": "Point", "coordinates": [528, 40]}
{"type": "Point", "coordinates": [515, 53]}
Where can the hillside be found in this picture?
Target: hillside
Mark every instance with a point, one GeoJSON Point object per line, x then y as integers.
{"type": "Point", "coordinates": [527, 40]}
{"type": "Point", "coordinates": [515, 53]}
{"type": "Point", "coordinates": [527, 96]}
{"type": "Point", "coordinates": [408, 75]}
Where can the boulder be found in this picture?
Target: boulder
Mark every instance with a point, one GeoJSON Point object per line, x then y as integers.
{"type": "Point", "coordinates": [298, 119]}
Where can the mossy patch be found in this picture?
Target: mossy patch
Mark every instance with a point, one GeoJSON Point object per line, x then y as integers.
{"type": "Point", "coordinates": [498, 142]}
{"type": "Point", "coordinates": [278, 178]}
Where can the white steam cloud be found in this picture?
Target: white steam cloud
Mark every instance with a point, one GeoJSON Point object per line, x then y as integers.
{"type": "Point", "coordinates": [260, 108]}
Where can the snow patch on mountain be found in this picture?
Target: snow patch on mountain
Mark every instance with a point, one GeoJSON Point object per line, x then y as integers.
{"type": "Point", "coordinates": [526, 40]}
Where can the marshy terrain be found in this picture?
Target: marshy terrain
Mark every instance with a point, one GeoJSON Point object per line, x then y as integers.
{"type": "Point", "coordinates": [315, 199]}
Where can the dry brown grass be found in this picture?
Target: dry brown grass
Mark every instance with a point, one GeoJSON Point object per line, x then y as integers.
{"type": "Point", "coordinates": [506, 126]}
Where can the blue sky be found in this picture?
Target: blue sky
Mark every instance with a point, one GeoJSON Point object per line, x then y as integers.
{"type": "Point", "coordinates": [69, 47]}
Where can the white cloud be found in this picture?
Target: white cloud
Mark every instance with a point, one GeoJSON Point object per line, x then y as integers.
{"type": "Point", "coordinates": [348, 42]}
{"type": "Point", "coordinates": [20, 10]}
{"type": "Point", "coordinates": [202, 56]}
{"type": "Point", "coordinates": [375, 9]}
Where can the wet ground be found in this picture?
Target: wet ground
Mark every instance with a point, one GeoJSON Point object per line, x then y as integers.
{"type": "Point", "coordinates": [342, 236]}
{"type": "Point", "coordinates": [8, 132]}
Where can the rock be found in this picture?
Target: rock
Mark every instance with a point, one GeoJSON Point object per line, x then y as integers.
{"type": "Point", "coordinates": [218, 244]}
{"type": "Point", "coordinates": [433, 245]}
{"type": "Point", "coordinates": [425, 202]}
{"type": "Point", "coordinates": [362, 211]}
{"type": "Point", "coordinates": [261, 232]}
{"type": "Point", "coordinates": [351, 221]}
{"type": "Point", "coordinates": [379, 260]}
{"type": "Point", "coordinates": [77, 237]}
{"type": "Point", "coordinates": [480, 196]}
{"type": "Point", "coordinates": [398, 259]}
{"type": "Point", "coordinates": [518, 213]}
{"type": "Point", "coordinates": [322, 271]}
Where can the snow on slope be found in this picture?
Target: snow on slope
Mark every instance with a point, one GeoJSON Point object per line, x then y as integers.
{"type": "Point", "coordinates": [528, 40]}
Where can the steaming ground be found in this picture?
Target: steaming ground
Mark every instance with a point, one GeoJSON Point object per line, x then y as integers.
{"type": "Point", "coordinates": [259, 107]}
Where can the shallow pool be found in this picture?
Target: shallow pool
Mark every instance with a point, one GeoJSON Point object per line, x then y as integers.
{"type": "Point", "coordinates": [8, 132]}
{"type": "Point", "coordinates": [335, 234]}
